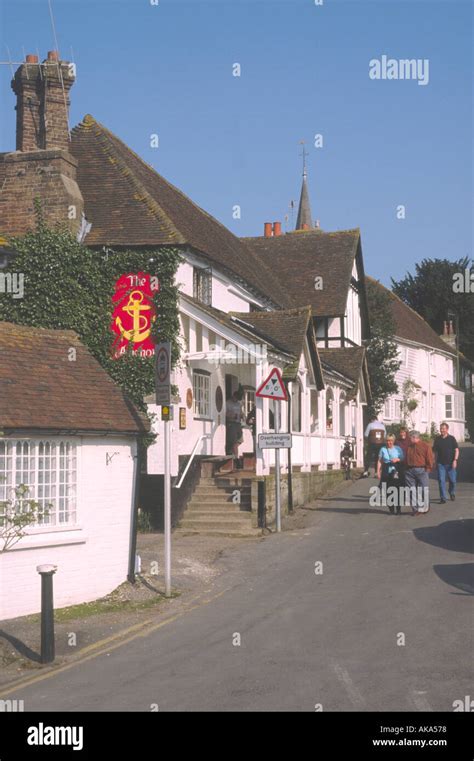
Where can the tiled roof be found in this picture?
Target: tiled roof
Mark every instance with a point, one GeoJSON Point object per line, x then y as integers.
{"type": "Point", "coordinates": [299, 257]}
{"type": "Point", "coordinates": [286, 329]}
{"type": "Point", "coordinates": [410, 325]}
{"type": "Point", "coordinates": [42, 389]}
{"type": "Point", "coordinates": [130, 204]}
{"type": "Point", "coordinates": [348, 361]}
{"type": "Point", "coordinates": [283, 330]}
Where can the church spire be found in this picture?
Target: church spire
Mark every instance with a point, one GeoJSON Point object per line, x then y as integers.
{"type": "Point", "coordinates": [304, 220]}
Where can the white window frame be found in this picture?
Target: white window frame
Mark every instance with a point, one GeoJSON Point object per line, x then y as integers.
{"type": "Point", "coordinates": [448, 415]}
{"type": "Point", "coordinates": [201, 394]}
{"type": "Point", "coordinates": [49, 468]}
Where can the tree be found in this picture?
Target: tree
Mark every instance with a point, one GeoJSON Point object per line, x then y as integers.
{"type": "Point", "coordinates": [437, 288]}
{"type": "Point", "coordinates": [382, 352]}
{"type": "Point", "coordinates": [17, 512]}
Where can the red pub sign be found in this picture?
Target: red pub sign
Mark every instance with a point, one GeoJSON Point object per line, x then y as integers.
{"type": "Point", "coordinates": [134, 314]}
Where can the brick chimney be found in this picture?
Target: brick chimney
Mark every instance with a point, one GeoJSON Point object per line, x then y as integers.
{"type": "Point", "coordinates": [449, 333]}
{"type": "Point", "coordinates": [42, 166]}
{"type": "Point", "coordinates": [276, 228]}
{"type": "Point", "coordinates": [267, 229]}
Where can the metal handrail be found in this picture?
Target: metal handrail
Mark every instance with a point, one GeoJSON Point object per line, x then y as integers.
{"type": "Point", "coordinates": [188, 465]}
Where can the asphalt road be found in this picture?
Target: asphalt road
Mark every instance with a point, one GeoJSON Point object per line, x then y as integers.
{"type": "Point", "coordinates": [305, 639]}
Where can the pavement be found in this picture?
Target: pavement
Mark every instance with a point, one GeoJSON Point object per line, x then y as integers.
{"type": "Point", "coordinates": [350, 609]}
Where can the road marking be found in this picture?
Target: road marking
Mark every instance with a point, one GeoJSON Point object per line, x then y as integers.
{"type": "Point", "coordinates": [138, 630]}
{"type": "Point", "coordinates": [421, 703]}
{"type": "Point", "coordinates": [354, 694]}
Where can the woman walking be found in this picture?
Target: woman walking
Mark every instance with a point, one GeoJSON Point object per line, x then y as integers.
{"type": "Point", "coordinates": [388, 471]}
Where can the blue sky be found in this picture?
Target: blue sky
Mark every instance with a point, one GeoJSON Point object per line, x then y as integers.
{"type": "Point", "coordinates": [167, 69]}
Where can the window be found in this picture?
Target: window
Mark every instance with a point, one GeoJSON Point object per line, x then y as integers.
{"type": "Point", "coordinates": [248, 402]}
{"type": "Point", "coordinates": [342, 414]}
{"type": "Point", "coordinates": [433, 406]}
{"type": "Point", "coordinates": [329, 409]}
{"type": "Point", "coordinates": [296, 406]}
{"type": "Point", "coordinates": [185, 329]}
{"type": "Point", "coordinates": [397, 410]}
{"type": "Point", "coordinates": [386, 410]}
{"type": "Point", "coordinates": [198, 335]}
{"type": "Point", "coordinates": [449, 405]}
{"type": "Point", "coordinates": [314, 411]}
{"type": "Point", "coordinates": [201, 394]}
{"type": "Point", "coordinates": [424, 405]}
{"type": "Point", "coordinates": [49, 470]}
{"type": "Point", "coordinates": [404, 356]}
{"type": "Point", "coordinates": [202, 285]}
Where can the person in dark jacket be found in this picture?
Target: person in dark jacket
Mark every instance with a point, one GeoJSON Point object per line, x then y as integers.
{"type": "Point", "coordinates": [446, 450]}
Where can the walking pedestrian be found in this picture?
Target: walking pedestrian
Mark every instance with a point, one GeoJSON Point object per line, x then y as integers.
{"type": "Point", "coordinates": [375, 436]}
{"type": "Point", "coordinates": [446, 450]}
{"type": "Point", "coordinates": [390, 458]}
{"type": "Point", "coordinates": [419, 464]}
{"type": "Point", "coordinates": [403, 441]}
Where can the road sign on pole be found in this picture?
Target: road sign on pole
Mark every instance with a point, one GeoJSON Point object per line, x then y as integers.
{"type": "Point", "coordinates": [275, 441]}
{"type": "Point", "coordinates": [163, 373]}
{"type": "Point", "coordinates": [273, 387]}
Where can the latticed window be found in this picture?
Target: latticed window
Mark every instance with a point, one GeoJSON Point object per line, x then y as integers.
{"type": "Point", "coordinates": [48, 469]}
{"type": "Point", "coordinates": [202, 285]}
{"type": "Point", "coordinates": [201, 394]}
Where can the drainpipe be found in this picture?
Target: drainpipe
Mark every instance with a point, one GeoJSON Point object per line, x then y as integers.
{"type": "Point", "coordinates": [136, 502]}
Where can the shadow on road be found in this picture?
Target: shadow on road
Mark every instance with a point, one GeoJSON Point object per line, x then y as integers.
{"type": "Point", "coordinates": [457, 536]}
{"type": "Point", "coordinates": [460, 576]}
{"type": "Point", "coordinates": [353, 511]}
{"type": "Point", "coordinates": [20, 647]}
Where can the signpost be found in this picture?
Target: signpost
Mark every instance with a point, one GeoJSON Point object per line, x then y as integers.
{"type": "Point", "coordinates": [275, 441]}
{"type": "Point", "coordinates": [274, 388]}
{"type": "Point", "coordinates": [163, 398]}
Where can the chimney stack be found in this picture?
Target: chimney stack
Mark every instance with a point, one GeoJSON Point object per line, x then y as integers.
{"type": "Point", "coordinates": [42, 166]}
{"type": "Point", "coordinates": [42, 109]}
{"type": "Point", "coordinates": [267, 230]}
{"type": "Point", "coordinates": [276, 228]}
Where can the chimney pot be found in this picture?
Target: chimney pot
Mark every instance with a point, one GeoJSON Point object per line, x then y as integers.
{"type": "Point", "coordinates": [267, 230]}
{"type": "Point", "coordinates": [31, 58]}
{"type": "Point", "coordinates": [277, 228]}
{"type": "Point", "coordinates": [53, 55]}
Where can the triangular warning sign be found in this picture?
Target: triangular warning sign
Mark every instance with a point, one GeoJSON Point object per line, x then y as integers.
{"type": "Point", "coordinates": [273, 387]}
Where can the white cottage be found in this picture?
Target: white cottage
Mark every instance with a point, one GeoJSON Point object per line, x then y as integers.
{"type": "Point", "coordinates": [427, 376]}
{"type": "Point", "coordinates": [70, 436]}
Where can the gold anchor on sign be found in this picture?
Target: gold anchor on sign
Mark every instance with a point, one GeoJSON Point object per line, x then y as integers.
{"type": "Point", "coordinates": [134, 309]}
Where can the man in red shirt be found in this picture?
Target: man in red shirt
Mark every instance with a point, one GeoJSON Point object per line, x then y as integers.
{"type": "Point", "coordinates": [419, 464]}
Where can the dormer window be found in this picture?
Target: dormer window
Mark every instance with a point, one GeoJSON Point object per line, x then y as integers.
{"type": "Point", "coordinates": [202, 285]}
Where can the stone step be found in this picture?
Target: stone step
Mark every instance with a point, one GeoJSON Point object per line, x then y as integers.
{"type": "Point", "coordinates": [225, 499]}
{"type": "Point", "coordinates": [220, 504]}
{"type": "Point", "coordinates": [216, 512]}
{"type": "Point", "coordinates": [228, 489]}
{"type": "Point", "coordinates": [208, 524]}
{"type": "Point", "coordinates": [240, 534]}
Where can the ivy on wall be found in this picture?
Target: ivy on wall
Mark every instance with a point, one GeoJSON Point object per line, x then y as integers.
{"type": "Point", "coordinates": [70, 286]}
